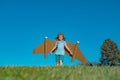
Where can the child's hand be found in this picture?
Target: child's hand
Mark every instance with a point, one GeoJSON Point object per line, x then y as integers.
{"type": "Point", "coordinates": [50, 53]}
{"type": "Point", "coordinates": [71, 53]}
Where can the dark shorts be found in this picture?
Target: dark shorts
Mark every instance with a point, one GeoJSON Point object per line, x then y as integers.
{"type": "Point", "coordinates": [59, 57]}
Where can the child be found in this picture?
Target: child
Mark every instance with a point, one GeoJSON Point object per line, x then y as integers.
{"type": "Point", "coordinates": [60, 51]}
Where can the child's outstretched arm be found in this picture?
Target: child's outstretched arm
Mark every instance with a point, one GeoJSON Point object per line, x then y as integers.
{"type": "Point", "coordinates": [68, 49]}
{"type": "Point", "coordinates": [53, 49]}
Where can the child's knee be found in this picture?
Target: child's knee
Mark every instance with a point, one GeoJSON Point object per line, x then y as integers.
{"type": "Point", "coordinates": [61, 61]}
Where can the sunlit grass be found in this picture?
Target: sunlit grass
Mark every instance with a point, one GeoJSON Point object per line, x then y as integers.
{"type": "Point", "coordinates": [60, 73]}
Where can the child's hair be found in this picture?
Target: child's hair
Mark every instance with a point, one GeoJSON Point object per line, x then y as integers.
{"type": "Point", "coordinates": [59, 35]}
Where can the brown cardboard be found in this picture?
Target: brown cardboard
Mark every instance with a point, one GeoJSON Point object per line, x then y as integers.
{"type": "Point", "coordinates": [48, 45]}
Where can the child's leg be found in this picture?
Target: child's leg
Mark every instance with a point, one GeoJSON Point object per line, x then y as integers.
{"type": "Point", "coordinates": [61, 59]}
{"type": "Point", "coordinates": [57, 60]}
{"type": "Point", "coordinates": [57, 63]}
{"type": "Point", "coordinates": [61, 62]}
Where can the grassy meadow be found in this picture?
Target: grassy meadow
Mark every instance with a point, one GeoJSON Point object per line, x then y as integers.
{"type": "Point", "coordinates": [60, 73]}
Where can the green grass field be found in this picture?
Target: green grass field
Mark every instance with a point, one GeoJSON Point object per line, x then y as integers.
{"type": "Point", "coordinates": [60, 73]}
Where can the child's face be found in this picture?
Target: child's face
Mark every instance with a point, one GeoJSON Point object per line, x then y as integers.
{"type": "Point", "coordinates": [60, 37]}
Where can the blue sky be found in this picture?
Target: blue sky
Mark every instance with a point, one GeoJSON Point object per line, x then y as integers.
{"type": "Point", "coordinates": [25, 23]}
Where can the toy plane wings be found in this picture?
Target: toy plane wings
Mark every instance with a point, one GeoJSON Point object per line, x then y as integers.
{"type": "Point", "coordinates": [48, 45]}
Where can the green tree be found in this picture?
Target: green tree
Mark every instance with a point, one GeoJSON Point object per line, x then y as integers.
{"type": "Point", "coordinates": [119, 57]}
{"type": "Point", "coordinates": [109, 53]}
